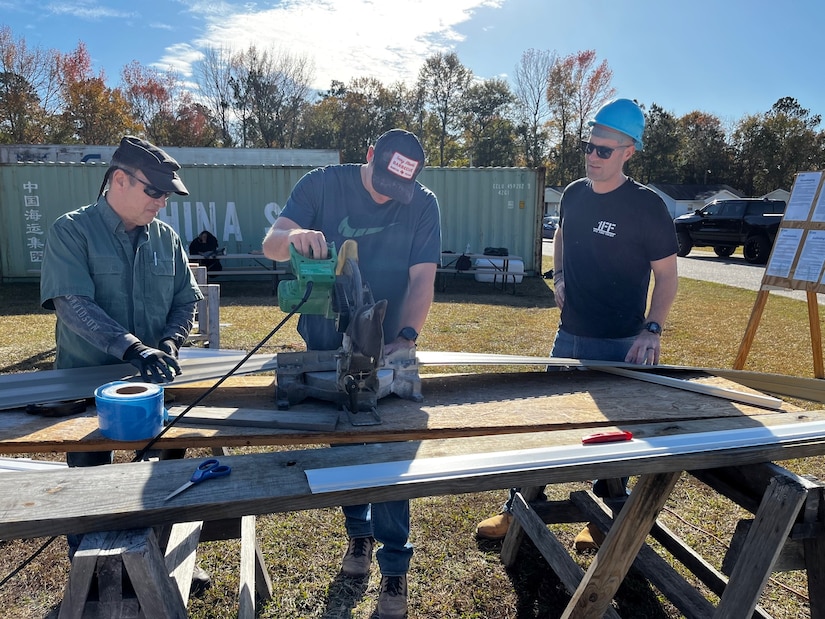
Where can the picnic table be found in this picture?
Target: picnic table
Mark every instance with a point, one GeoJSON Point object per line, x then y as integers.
{"type": "Point", "coordinates": [495, 269]}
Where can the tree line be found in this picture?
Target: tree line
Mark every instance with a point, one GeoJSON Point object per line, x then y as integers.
{"type": "Point", "coordinates": [262, 98]}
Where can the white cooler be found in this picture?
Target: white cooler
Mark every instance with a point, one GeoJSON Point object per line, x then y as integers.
{"type": "Point", "coordinates": [514, 270]}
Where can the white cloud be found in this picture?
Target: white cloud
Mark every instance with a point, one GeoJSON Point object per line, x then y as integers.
{"type": "Point", "coordinates": [344, 38]}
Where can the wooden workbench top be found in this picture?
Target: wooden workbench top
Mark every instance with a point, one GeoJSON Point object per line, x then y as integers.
{"type": "Point", "coordinates": [454, 405]}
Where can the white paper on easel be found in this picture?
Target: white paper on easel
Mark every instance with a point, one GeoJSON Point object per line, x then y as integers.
{"type": "Point", "coordinates": [802, 196]}
{"type": "Point", "coordinates": [812, 258]}
{"type": "Point", "coordinates": [784, 252]}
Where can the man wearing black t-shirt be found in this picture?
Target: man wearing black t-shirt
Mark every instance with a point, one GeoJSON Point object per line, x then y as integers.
{"type": "Point", "coordinates": [613, 233]}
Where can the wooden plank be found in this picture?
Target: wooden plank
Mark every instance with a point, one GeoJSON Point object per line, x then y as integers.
{"type": "Point", "coordinates": [750, 330]}
{"type": "Point", "coordinates": [816, 333]}
{"type": "Point", "coordinates": [815, 566]}
{"type": "Point", "coordinates": [659, 572]}
{"type": "Point", "coordinates": [38, 504]}
{"type": "Point", "coordinates": [454, 405]}
{"type": "Point", "coordinates": [319, 421]}
{"type": "Point", "coordinates": [515, 533]}
{"type": "Point", "coordinates": [180, 555]}
{"type": "Point", "coordinates": [718, 392]}
{"type": "Point", "coordinates": [594, 594]}
{"type": "Point", "coordinates": [79, 582]}
{"type": "Point", "coordinates": [144, 563]}
{"type": "Point", "coordinates": [263, 583]}
{"type": "Point", "coordinates": [246, 586]}
{"type": "Point", "coordinates": [550, 548]}
{"type": "Point", "coordinates": [773, 522]}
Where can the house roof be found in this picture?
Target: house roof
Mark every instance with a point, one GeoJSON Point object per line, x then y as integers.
{"type": "Point", "coordinates": [694, 192]}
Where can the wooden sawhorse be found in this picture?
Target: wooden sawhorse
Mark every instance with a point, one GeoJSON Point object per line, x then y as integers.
{"type": "Point", "coordinates": [789, 511]}
{"type": "Point", "coordinates": [160, 582]}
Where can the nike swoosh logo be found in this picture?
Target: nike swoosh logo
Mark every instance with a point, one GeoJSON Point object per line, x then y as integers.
{"type": "Point", "coordinates": [345, 230]}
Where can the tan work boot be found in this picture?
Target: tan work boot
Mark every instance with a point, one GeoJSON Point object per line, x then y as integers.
{"type": "Point", "coordinates": [495, 527]}
{"type": "Point", "coordinates": [589, 538]}
{"type": "Point", "coordinates": [392, 601]}
{"type": "Point", "coordinates": [358, 558]}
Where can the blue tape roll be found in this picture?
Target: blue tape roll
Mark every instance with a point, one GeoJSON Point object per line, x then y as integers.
{"type": "Point", "coordinates": [130, 411]}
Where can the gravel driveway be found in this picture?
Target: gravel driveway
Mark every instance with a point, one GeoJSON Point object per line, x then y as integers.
{"type": "Point", "coordinates": [707, 266]}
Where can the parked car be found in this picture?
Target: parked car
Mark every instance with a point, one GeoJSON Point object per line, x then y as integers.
{"type": "Point", "coordinates": [727, 224]}
{"type": "Point", "coordinates": [549, 226]}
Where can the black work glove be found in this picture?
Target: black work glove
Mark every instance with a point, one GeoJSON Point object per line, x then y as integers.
{"type": "Point", "coordinates": [168, 346]}
{"type": "Point", "coordinates": [155, 365]}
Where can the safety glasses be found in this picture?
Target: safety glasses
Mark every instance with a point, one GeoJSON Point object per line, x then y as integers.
{"type": "Point", "coordinates": [602, 152]}
{"type": "Point", "coordinates": [149, 189]}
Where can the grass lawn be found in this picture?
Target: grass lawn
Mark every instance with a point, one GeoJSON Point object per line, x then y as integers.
{"type": "Point", "coordinates": [453, 575]}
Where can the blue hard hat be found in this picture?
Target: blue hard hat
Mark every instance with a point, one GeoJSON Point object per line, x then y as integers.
{"type": "Point", "coordinates": [624, 116]}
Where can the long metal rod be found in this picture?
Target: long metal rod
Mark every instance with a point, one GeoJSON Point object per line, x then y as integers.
{"type": "Point", "coordinates": [17, 390]}
{"type": "Point", "coordinates": [756, 399]}
{"type": "Point", "coordinates": [795, 386]}
{"type": "Point", "coordinates": [334, 479]}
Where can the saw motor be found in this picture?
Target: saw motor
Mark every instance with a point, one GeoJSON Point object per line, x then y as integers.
{"type": "Point", "coordinates": [356, 375]}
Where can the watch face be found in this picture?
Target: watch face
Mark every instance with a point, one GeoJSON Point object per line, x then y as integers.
{"type": "Point", "coordinates": [654, 327]}
{"type": "Point", "coordinates": [408, 333]}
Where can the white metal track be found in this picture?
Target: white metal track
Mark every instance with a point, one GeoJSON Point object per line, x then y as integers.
{"type": "Point", "coordinates": [17, 390]}
{"type": "Point", "coordinates": [335, 479]}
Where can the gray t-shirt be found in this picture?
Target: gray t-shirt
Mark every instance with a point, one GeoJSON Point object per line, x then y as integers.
{"type": "Point", "coordinates": [391, 238]}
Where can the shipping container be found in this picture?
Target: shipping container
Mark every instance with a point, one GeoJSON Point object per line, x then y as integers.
{"type": "Point", "coordinates": [82, 153]}
{"type": "Point", "coordinates": [480, 207]}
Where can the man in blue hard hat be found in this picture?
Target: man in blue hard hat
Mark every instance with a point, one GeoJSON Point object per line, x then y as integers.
{"type": "Point", "coordinates": [613, 233]}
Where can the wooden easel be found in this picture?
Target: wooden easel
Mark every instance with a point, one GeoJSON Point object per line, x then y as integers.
{"type": "Point", "coordinates": [797, 262]}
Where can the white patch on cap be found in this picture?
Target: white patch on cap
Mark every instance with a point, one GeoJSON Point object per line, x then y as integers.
{"type": "Point", "coordinates": [402, 166]}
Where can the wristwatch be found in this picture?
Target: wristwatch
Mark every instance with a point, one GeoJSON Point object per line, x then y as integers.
{"type": "Point", "coordinates": [654, 327]}
{"type": "Point", "coordinates": [408, 333]}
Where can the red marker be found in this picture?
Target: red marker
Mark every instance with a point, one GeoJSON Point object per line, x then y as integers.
{"type": "Point", "coordinates": [613, 436]}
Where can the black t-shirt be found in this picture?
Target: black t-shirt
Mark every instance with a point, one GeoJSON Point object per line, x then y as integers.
{"type": "Point", "coordinates": [609, 242]}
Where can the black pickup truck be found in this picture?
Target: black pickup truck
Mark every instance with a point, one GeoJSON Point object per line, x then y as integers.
{"type": "Point", "coordinates": [727, 224]}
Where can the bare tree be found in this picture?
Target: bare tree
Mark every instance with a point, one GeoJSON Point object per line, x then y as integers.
{"type": "Point", "coordinates": [270, 89]}
{"type": "Point", "coordinates": [29, 90]}
{"type": "Point", "coordinates": [444, 79]}
{"type": "Point", "coordinates": [530, 88]}
{"type": "Point", "coordinates": [213, 75]}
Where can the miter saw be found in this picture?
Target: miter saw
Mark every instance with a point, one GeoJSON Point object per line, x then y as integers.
{"type": "Point", "coordinates": [356, 375]}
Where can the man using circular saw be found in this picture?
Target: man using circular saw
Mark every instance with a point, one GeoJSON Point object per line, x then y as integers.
{"type": "Point", "coordinates": [396, 223]}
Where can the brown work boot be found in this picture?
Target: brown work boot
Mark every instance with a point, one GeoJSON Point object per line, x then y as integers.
{"type": "Point", "coordinates": [495, 527]}
{"type": "Point", "coordinates": [357, 560]}
{"type": "Point", "coordinates": [589, 538]}
{"type": "Point", "coordinates": [392, 601]}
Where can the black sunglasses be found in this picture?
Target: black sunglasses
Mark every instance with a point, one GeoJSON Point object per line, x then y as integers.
{"type": "Point", "coordinates": [149, 189]}
{"type": "Point", "coordinates": [602, 152]}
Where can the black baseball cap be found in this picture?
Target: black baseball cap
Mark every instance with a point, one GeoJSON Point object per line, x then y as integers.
{"type": "Point", "coordinates": [160, 169]}
{"type": "Point", "coordinates": [398, 158]}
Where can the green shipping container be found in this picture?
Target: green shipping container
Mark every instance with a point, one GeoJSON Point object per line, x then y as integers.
{"type": "Point", "coordinates": [480, 207]}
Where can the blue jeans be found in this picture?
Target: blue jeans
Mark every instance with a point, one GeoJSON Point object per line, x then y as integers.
{"type": "Point", "coordinates": [389, 524]}
{"type": "Point", "coordinates": [592, 348]}
{"type": "Point", "coordinates": [571, 346]}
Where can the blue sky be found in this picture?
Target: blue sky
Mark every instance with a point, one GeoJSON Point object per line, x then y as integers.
{"type": "Point", "coordinates": [726, 57]}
